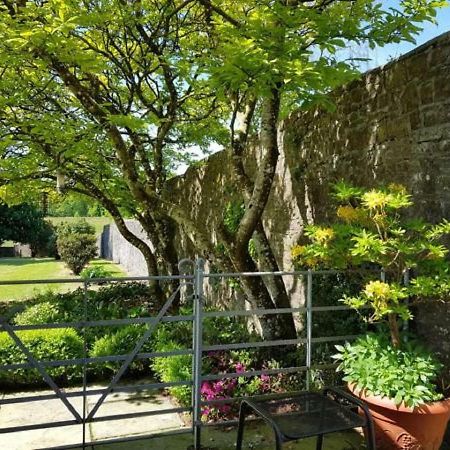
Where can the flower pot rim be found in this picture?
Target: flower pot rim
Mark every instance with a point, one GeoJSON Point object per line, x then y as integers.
{"type": "Point", "coordinates": [436, 407]}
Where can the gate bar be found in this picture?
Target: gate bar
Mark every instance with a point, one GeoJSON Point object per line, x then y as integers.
{"type": "Point", "coordinates": [36, 364]}
{"type": "Point", "coordinates": [131, 356]}
{"type": "Point", "coordinates": [197, 347]}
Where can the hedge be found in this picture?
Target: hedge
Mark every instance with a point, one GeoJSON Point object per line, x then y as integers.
{"type": "Point", "coordinates": [45, 345]}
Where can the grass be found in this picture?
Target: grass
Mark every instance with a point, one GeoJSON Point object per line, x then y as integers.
{"type": "Point", "coordinates": [97, 222]}
{"type": "Point", "coordinates": [15, 269]}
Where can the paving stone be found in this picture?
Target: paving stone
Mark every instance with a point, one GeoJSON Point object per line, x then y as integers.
{"type": "Point", "coordinates": [51, 411]}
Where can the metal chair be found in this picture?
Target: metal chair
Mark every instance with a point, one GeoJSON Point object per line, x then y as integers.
{"type": "Point", "coordinates": [309, 414]}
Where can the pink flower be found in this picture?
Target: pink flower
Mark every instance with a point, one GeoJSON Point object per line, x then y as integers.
{"type": "Point", "coordinates": [239, 367]}
{"type": "Point", "coordinates": [225, 409]}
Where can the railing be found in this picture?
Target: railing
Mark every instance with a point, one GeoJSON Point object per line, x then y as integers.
{"type": "Point", "coordinates": [194, 283]}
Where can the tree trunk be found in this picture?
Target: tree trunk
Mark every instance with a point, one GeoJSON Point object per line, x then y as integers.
{"type": "Point", "coordinates": [258, 290]}
{"type": "Point", "coordinates": [274, 326]}
{"type": "Point", "coordinates": [168, 255]}
{"type": "Point", "coordinates": [393, 328]}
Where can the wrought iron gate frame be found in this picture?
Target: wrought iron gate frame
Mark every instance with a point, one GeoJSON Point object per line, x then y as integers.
{"type": "Point", "coordinates": [196, 280]}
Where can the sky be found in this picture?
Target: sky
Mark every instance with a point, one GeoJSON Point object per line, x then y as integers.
{"type": "Point", "coordinates": [383, 55]}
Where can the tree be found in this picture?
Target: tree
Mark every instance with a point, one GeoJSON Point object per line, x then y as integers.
{"type": "Point", "coordinates": [116, 91]}
{"type": "Point", "coordinates": [25, 224]}
{"type": "Point", "coordinates": [105, 105]}
{"type": "Point", "coordinates": [266, 58]}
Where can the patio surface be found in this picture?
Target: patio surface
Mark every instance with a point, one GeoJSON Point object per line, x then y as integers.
{"type": "Point", "coordinates": [257, 435]}
{"type": "Point", "coordinates": [44, 411]}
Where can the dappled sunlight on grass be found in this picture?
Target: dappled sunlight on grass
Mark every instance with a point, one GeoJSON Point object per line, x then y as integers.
{"type": "Point", "coordinates": [15, 269]}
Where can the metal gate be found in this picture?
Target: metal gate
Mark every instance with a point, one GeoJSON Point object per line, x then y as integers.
{"type": "Point", "coordinates": [192, 286]}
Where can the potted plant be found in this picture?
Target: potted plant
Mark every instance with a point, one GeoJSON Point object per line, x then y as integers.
{"type": "Point", "coordinates": [388, 368]}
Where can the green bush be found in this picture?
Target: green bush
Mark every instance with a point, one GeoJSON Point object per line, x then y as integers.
{"type": "Point", "coordinates": [174, 368]}
{"type": "Point", "coordinates": [79, 227]}
{"type": "Point", "coordinates": [77, 244]}
{"type": "Point", "coordinates": [406, 375]}
{"type": "Point", "coordinates": [118, 301]}
{"type": "Point", "coordinates": [121, 342]}
{"type": "Point", "coordinates": [76, 250]}
{"type": "Point", "coordinates": [122, 300]}
{"type": "Point", "coordinates": [95, 272]}
{"type": "Point", "coordinates": [40, 313]}
{"type": "Point", "coordinates": [216, 330]}
{"type": "Point", "coordinates": [45, 345]}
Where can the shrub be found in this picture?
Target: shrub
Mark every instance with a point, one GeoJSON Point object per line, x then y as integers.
{"type": "Point", "coordinates": [95, 272]}
{"type": "Point", "coordinates": [79, 227]}
{"type": "Point", "coordinates": [53, 344]}
{"type": "Point", "coordinates": [76, 244]}
{"type": "Point", "coordinates": [118, 301]}
{"type": "Point", "coordinates": [217, 330]}
{"type": "Point", "coordinates": [121, 342]}
{"type": "Point", "coordinates": [373, 231]}
{"type": "Point", "coordinates": [407, 375]}
{"type": "Point", "coordinates": [174, 368]}
{"type": "Point", "coordinates": [76, 250]}
{"type": "Point", "coordinates": [40, 313]}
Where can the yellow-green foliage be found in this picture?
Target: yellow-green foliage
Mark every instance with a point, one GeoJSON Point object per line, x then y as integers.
{"type": "Point", "coordinates": [45, 345]}
{"type": "Point", "coordinates": [371, 231]}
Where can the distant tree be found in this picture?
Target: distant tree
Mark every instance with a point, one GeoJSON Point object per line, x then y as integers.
{"type": "Point", "coordinates": [24, 223]}
{"type": "Point", "coordinates": [74, 205]}
{"type": "Point", "coordinates": [76, 244]}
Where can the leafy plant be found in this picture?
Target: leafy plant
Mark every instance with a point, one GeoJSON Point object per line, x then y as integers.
{"type": "Point", "coordinates": [121, 342]}
{"type": "Point", "coordinates": [174, 368]}
{"type": "Point", "coordinates": [95, 272]}
{"type": "Point", "coordinates": [234, 211]}
{"type": "Point", "coordinates": [406, 375]}
{"type": "Point", "coordinates": [240, 361]}
{"type": "Point", "coordinates": [45, 312]}
{"type": "Point", "coordinates": [118, 301]}
{"type": "Point", "coordinates": [373, 232]}
{"type": "Point", "coordinates": [76, 244]}
{"type": "Point", "coordinates": [53, 344]}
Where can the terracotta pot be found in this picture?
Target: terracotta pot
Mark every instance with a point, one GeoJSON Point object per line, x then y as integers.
{"type": "Point", "coordinates": [400, 427]}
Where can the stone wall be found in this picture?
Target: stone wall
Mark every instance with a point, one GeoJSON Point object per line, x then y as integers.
{"type": "Point", "coordinates": [392, 125]}
{"type": "Point", "coordinates": [115, 247]}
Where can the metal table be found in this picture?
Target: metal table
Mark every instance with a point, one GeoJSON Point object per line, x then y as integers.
{"type": "Point", "coordinates": [309, 414]}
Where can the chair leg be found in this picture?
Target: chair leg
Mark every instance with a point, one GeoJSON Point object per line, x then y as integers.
{"type": "Point", "coordinates": [319, 442]}
{"type": "Point", "coordinates": [240, 434]}
{"type": "Point", "coordinates": [370, 436]}
{"type": "Point", "coordinates": [278, 441]}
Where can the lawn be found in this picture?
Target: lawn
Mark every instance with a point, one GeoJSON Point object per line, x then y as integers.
{"type": "Point", "coordinates": [97, 222]}
{"type": "Point", "coordinates": [14, 269]}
